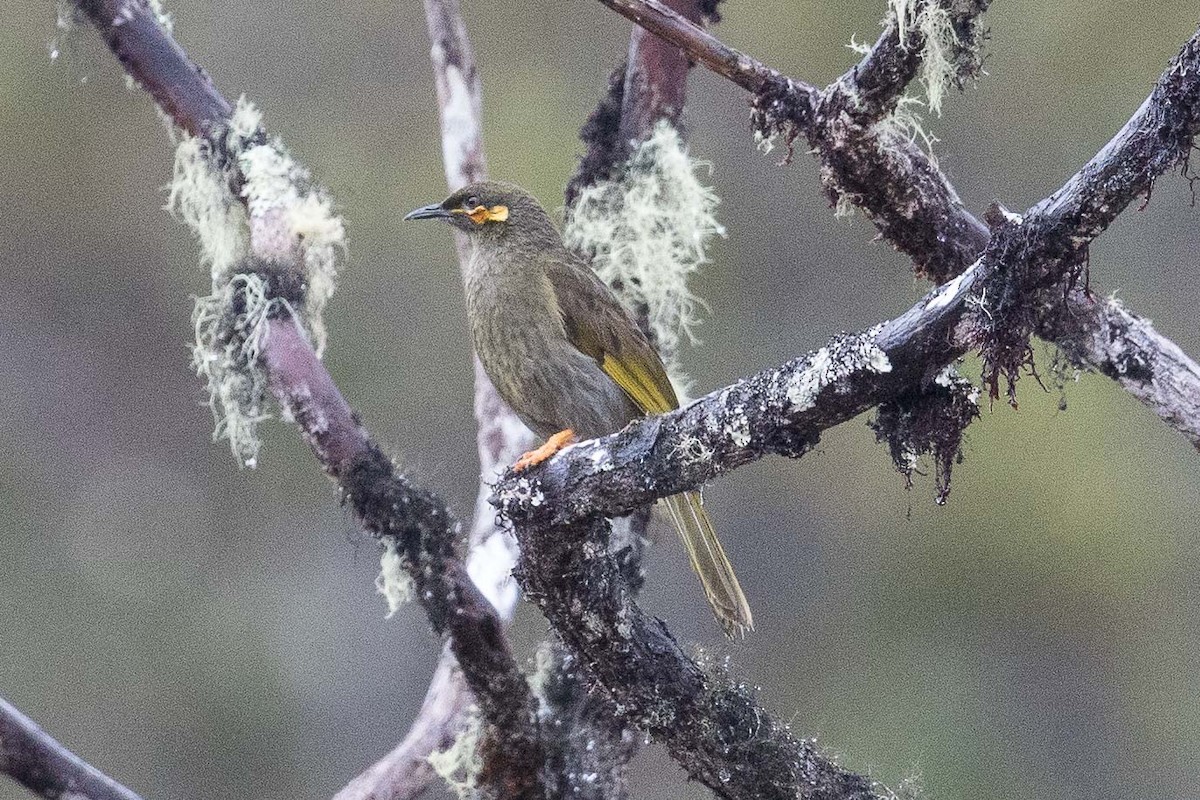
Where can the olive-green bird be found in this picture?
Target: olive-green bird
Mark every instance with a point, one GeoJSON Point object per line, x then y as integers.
{"type": "Point", "coordinates": [565, 355]}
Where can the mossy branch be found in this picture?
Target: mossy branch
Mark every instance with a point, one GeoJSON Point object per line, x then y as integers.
{"type": "Point", "coordinates": [410, 519]}
{"type": "Point", "coordinates": [559, 507]}
{"type": "Point", "coordinates": [917, 209]}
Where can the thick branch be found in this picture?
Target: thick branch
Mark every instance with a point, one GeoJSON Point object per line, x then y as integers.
{"type": "Point", "coordinates": [917, 209]}
{"type": "Point", "coordinates": [779, 411]}
{"type": "Point", "coordinates": [784, 411]}
{"type": "Point", "coordinates": [155, 60]}
{"type": "Point", "coordinates": [718, 733]}
{"type": "Point", "coordinates": [32, 758]}
{"type": "Point", "coordinates": [386, 504]}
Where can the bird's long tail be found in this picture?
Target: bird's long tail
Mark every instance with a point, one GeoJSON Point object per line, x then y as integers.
{"type": "Point", "coordinates": [710, 563]}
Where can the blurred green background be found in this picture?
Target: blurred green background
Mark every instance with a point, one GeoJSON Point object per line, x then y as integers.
{"type": "Point", "coordinates": [206, 632]}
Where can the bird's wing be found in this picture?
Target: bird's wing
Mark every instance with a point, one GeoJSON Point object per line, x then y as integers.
{"type": "Point", "coordinates": [597, 325]}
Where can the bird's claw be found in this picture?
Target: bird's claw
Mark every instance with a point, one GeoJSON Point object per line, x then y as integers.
{"type": "Point", "coordinates": [555, 443]}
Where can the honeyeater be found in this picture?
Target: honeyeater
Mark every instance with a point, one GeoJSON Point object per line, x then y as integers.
{"type": "Point", "coordinates": [564, 354]}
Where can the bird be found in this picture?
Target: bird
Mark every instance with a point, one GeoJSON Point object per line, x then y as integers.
{"type": "Point", "coordinates": [566, 356]}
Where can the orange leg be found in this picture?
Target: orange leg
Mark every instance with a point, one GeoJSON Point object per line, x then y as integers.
{"type": "Point", "coordinates": [555, 443]}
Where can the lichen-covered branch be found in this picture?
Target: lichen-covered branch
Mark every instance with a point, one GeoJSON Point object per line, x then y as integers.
{"type": "Point", "coordinates": [937, 39]}
{"type": "Point", "coordinates": [713, 728]}
{"type": "Point", "coordinates": [783, 411]}
{"type": "Point", "coordinates": [393, 509]}
{"type": "Point", "coordinates": [276, 260]}
{"type": "Point", "coordinates": [34, 759]}
{"type": "Point", "coordinates": [917, 209]}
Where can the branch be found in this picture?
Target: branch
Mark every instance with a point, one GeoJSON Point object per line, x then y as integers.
{"type": "Point", "coordinates": [646, 89]}
{"type": "Point", "coordinates": [940, 35]}
{"type": "Point", "coordinates": [655, 79]}
{"type": "Point", "coordinates": [387, 505]}
{"type": "Point", "coordinates": [916, 208]}
{"type": "Point", "coordinates": [32, 758]}
{"type": "Point", "coordinates": [405, 772]}
{"type": "Point", "coordinates": [558, 508]}
{"type": "Point", "coordinates": [414, 521]}
{"type": "Point", "coordinates": [648, 86]}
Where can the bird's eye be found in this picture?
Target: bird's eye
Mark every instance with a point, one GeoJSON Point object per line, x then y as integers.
{"type": "Point", "coordinates": [471, 202]}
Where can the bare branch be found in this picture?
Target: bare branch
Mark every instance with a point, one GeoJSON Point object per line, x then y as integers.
{"type": "Point", "coordinates": [32, 758]}
{"type": "Point", "coordinates": [384, 501]}
{"type": "Point", "coordinates": [917, 209]}
{"type": "Point", "coordinates": [1106, 335]}
{"type": "Point", "coordinates": [181, 89]}
{"type": "Point", "coordinates": [655, 79]}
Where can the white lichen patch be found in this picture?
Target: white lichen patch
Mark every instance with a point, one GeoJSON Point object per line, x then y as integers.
{"type": "Point", "coordinates": [459, 764]}
{"type": "Point", "coordinates": [161, 15]}
{"type": "Point", "coordinates": [490, 565]}
{"type": "Point", "coordinates": [738, 429]}
{"type": "Point", "coordinates": [230, 322]}
{"type": "Point", "coordinates": [393, 580]}
{"type": "Point", "coordinates": [693, 450]}
{"type": "Point", "coordinates": [950, 378]}
{"type": "Point", "coordinates": [225, 354]}
{"type": "Point", "coordinates": [862, 48]}
{"type": "Point", "coordinates": [841, 358]}
{"type": "Point", "coordinates": [648, 232]}
{"type": "Point", "coordinates": [764, 142]}
{"type": "Point", "coordinates": [276, 183]}
{"type": "Point", "coordinates": [845, 205]}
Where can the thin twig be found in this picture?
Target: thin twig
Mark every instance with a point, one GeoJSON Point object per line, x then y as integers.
{"type": "Point", "coordinates": [34, 759]}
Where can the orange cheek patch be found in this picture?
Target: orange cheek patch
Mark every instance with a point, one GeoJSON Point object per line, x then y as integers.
{"type": "Point", "coordinates": [482, 214]}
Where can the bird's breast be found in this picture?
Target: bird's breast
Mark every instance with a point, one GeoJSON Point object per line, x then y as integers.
{"type": "Point", "coordinates": [523, 347]}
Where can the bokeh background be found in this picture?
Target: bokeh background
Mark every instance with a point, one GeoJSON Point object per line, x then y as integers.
{"type": "Point", "coordinates": [201, 631]}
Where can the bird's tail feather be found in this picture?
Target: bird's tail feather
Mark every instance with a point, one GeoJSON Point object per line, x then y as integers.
{"type": "Point", "coordinates": [710, 563]}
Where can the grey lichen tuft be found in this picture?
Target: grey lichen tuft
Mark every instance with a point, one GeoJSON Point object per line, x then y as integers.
{"type": "Point", "coordinates": [393, 580]}
{"type": "Point", "coordinates": [951, 42]}
{"type": "Point", "coordinates": [905, 124]}
{"type": "Point", "coordinates": [929, 422]}
{"type": "Point", "coordinates": [246, 241]}
{"type": "Point", "coordinates": [459, 764]}
{"type": "Point", "coordinates": [647, 232]}
{"type": "Point", "coordinates": [230, 326]}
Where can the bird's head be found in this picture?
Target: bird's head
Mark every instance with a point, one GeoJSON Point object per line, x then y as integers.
{"type": "Point", "coordinates": [491, 210]}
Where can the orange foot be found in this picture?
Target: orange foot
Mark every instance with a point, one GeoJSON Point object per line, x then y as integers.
{"type": "Point", "coordinates": [555, 443]}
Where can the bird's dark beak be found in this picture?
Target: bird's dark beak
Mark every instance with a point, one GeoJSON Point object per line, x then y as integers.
{"type": "Point", "coordinates": [432, 211]}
